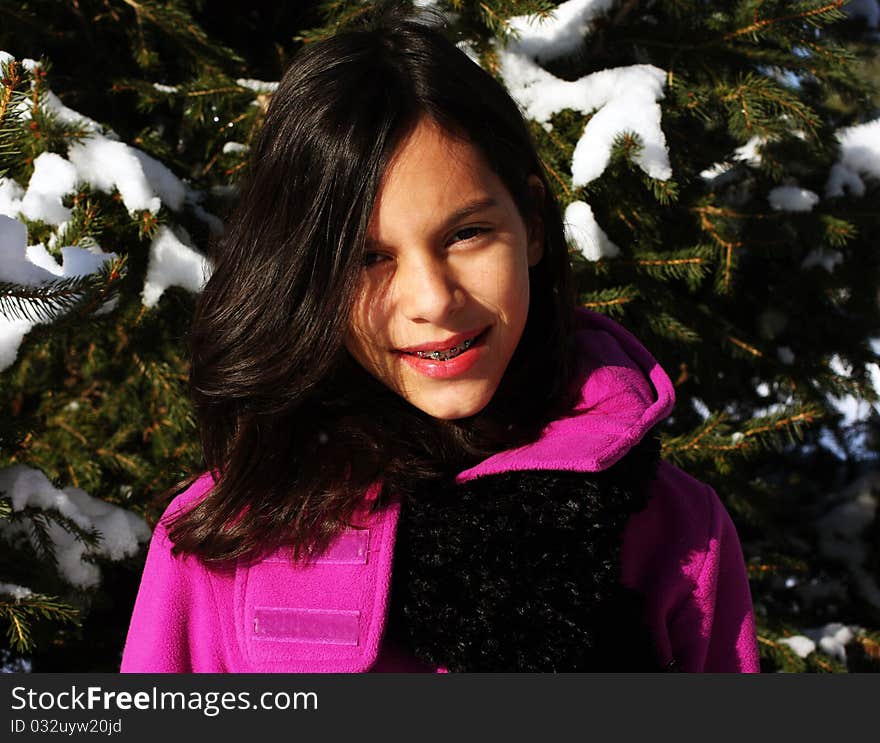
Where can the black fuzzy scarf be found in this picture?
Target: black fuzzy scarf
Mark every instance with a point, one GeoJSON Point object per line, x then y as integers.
{"type": "Point", "coordinates": [520, 571]}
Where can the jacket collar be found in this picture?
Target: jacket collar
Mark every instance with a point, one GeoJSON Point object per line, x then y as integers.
{"type": "Point", "coordinates": [624, 394]}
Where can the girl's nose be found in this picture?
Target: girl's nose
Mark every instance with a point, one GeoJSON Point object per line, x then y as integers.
{"type": "Point", "coordinates": [428, 289]}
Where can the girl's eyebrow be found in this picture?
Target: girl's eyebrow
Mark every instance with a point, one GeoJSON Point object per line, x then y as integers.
{"type": "Point", "coordinates": [468, 209]}
{"type": "Point", "coordinates": [459, 214]}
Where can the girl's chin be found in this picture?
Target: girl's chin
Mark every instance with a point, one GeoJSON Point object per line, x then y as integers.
{"type": "Point", "coordinates": [452, 409]}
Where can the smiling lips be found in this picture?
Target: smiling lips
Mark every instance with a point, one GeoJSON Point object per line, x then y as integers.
{"type": "Point", "coordinates": [449, 362]}
{"type": "Point", "coordinates": [447, 345]}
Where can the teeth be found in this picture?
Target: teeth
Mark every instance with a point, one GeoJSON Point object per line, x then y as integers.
{"type": "Point", "coordinates": [448, 353]}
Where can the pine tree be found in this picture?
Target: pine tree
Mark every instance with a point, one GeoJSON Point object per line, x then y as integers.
{"type": "Point", "coordinates": [720, 202]}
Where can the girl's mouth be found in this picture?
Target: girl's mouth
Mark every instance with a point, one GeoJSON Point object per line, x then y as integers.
{"type": "Point", "coordinates": [449, 362]}
{"type": "Point", "coordinates": [449, 353]}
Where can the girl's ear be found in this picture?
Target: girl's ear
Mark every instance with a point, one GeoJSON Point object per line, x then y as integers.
{"type": "Point", "coordinates": [536, 228]}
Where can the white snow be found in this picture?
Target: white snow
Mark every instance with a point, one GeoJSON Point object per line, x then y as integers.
{"type": "Point", "coordinates": [142, 181]}
{"type": "Point", "coordinates": [854, 409]}
{"type": "Point", "coordinates": [838, 366]}
{"type": "Point", "coordinates": [747, 154]}
{"type": "Point", "coordinates": [234, 147]}
{"type": "Point", "coordinates": [121, 531]}
{"type": "Point", "coordinates": [828, 258]}
{"type": "Point", "coordinates": [624, 99]}
{"type": "Point", "coordinates": [582, 229]}
{"type": "Point", "coordinates": [792, 199]}
{"type": "Point", "coordinates": [69, 116]}
{"type": "Point", "coordinates": [165, 88]}
{"type": "Point", "coordinates": [859, 156]}
{"type": "Point", "coordinates": [801, 645]}
{"type": "Point", "coordinates": [11, 195]}
{"type": "Point", "coordinates": [785, 355]}
{"type": "Point", "coordinates": [700, 407]}
{"type": "Point", "coordinates": [621, 100]}
{"type": "Point", "coordinates": [258, 86]}
{"type": "Point", "coordinates": [173, 263]}
{"type": "Point", "coordinates": [106, 164]}
{"type": "Point", "coordinates": [100, 160]}
{"type": "Point", "coordinates": [31, 266]}
{"type": "Point", "coordinates": [53, 177]}
{"type": "Point", "coordinates": [832, 639]}
{"type": "Point", "coordinates": [560, 33]}
{"type": "Point", "coordinates": [17, 592]}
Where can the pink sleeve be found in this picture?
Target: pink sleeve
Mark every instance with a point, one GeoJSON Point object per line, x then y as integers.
{"type": "Point", "coordinates": [174, 625]}
{"type": "Point", "coordinates": [714, 626]}
{"type": "Point", "coordinates": [683, 554]}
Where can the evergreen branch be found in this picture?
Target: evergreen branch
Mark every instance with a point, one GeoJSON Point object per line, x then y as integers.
{"type": "Point", "coordinates": [41, 541]}
{"type": "Point", "coordinates": [724, 211]}
{"type": "Point", "coordinates": [792, 423]}
{"type": "Point", "coordinates": [44, 302]}
{"type": "Point", "coordinates": [565, 150]}
{"type": "Point", "coordinates": [670, 262]}
{"type": "Point", "coordinates": [40, 521]}
{"type": "Point", "coordinates": [831, 10]}
{"type": "Point", "coordinates": [744, 346]}
{"type": "Point", "coordinates": [728, 246]}
{"type": "Point", "coordinates": [838, 232]}
{"type": "Point", "coordinates": [496, 24]}
{"type": "Point", "coordinates": [10, 111]}
{"type": "Point", "coordinates": [783, 655]}
{"type": "Point", "coordinates": [559, 179]}
{"type": "Point", "coordinates": [609, 300]}
{"type": "Point", "coordinates": [713, 440]}
{"type": "Point", "coordinates": [11, 80]}
{"type": "Point", "coordinates": [62, 424]}
{"type": "Point", "coordinates": [681, 265]}
{"type": "Point", "coordinates": [132, 465]}
{"type": "Point", "coordinates": [175, 21]}
{"type": "Point", "coordinates": [669, 327]}
{"type": "Point", "coordinates": [666, 192]}
{"type": "Point", "coordinates": [85, 223]}
{"type": "Point", "coordinates": [754, 90]}
{"type": "Point", "coordinates": [673, 445]}
{"type": "Point", "coordinates": [340, 14]}
{"type": "Point", "coordinates": [18, 612]}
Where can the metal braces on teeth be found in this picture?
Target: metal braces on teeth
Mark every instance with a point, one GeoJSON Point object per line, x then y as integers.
{"type": "Point", "coordinates": [448, 354]}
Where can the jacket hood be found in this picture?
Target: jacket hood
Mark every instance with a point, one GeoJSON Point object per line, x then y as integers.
{"type": "Point", "coordinates": [624, 393]}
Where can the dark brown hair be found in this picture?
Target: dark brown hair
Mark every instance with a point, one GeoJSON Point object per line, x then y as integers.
{"type": "Point", "coordinates": [295, 429]}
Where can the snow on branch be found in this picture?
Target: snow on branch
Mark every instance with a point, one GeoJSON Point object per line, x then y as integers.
{"type": "Point", "coordinates": [121, 531]}
{"type": "Point", "coordinates": [34, 266]}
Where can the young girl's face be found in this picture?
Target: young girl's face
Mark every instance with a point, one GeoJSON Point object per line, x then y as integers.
{"type": "Point", "coordinates": [447, 264]}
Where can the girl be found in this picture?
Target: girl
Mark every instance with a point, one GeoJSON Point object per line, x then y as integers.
{"type": "Point", "coordinates": [420, 454]}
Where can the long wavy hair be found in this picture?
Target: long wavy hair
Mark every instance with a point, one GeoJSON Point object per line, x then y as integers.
{"type": "Point", "coordinates": [292, 427]}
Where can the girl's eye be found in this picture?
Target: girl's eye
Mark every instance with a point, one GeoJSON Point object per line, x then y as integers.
{"type": "Point", "coordinates": [477, 230]}
{"type": "Point", "coordinates": [368, 259]}
{"type": "Point", "coordinates": [371, 259]}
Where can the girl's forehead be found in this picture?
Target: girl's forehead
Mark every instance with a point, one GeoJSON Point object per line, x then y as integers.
{"type": "Point", "coordinates": [433, 171]}
{"type": "Point", "coordinates": [430, 152]}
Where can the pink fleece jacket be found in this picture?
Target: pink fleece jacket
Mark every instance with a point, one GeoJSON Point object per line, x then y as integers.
{"type": "Point", "coordinates": [682, 552]}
